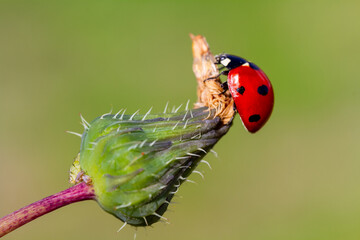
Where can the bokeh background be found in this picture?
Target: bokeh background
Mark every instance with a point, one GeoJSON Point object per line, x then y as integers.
{"type": "Point", "coordinates": [298, 178]}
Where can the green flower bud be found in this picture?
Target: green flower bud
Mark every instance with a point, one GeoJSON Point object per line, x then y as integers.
{"type": "Point", "coordinates": [136, 163]}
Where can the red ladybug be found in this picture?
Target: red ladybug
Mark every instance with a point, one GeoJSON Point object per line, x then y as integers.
{"type": "Point", "coordinates": [250, 88]}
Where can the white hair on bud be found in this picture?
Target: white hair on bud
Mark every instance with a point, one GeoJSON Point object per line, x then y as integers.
{"type": "Point", "coordinates": [177, 109]}
{"type": "Point", "coordinates": [203, 150]}
{"type": "Point", "coordinates": [74, 133]}
{"type": "Point", "coordinates": [142, 143]}
{"type": "Point", "coordinates": [84, 121]}
{"type": "Point", "coordinates": [132, 116]}
{"type": "Point", "coordinates": [122, 115]}
{"type": "Point", "coordinates": [200, 173]}
{"type": "Point", "coordinates": [185, 125]}
{"type": "Point", "coordinates": [166, 106]}
{"type": "Point", "coordinates": [187, 105]}
{"type": "Point", "coordinates": [148, 112]}
{"type": "Point", "coordinates": [117, 113]}
{"type": "Point", "coordinates": [121, 228]}
{"type": "Point", "coordinates": [193, 154]}
{"type": "Point", "coordinates": [185, 115]}
{"type": "Point", "coordinates": [207, 163]}
{"type": "Point", "coordinates": [215, 153]}
{"type": "Point", "coordinates": [158, 215]}
{"type": "Point", "coordinates": [175, 125]}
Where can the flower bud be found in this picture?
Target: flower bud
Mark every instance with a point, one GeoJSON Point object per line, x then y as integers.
{"type": "Point", "coordinates": [137, 162]}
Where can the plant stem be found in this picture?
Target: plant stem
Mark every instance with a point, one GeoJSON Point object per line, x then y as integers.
{"type": "Point", "coordinates": [77, 193]}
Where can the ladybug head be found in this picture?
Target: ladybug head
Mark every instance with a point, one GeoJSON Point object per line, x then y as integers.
{"type": "Point", "coordinates": [222, 59]}
{"type": "Point", "coordinates": [229, 61]}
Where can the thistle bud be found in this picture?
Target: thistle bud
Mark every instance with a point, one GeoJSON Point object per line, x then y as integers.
{"type": "Point", "coordinates": [136, 163]}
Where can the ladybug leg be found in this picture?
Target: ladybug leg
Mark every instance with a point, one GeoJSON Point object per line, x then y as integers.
{"type": "Point", "coordinates": [225, 87]}
{"type": "Point", "coordinates": [217, 76]}
{"type": "Point", "coordinates": [221, 68]}
{"type": "Point", "coordinates": [234, 107]}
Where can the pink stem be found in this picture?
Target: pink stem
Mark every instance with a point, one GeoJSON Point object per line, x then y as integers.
{"type": "Point", "coordinates": [77, 193]}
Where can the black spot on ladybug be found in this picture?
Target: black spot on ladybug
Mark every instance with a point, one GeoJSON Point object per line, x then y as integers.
{"type": "Point", "coordinates": [253, 66]}
{"type": "Point", "coordinates": [241, 90]}
{"type": "Point", "coordinates": [263, 90]}
{"type": "Point", "coordinates": [254, 118]}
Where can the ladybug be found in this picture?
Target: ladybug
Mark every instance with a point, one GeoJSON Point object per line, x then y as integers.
{"type": "Point", "coordinates": [250, 88]}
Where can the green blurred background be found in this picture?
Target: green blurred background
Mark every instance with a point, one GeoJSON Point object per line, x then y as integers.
{"type": "Point", "coordinates": [298, 178]}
